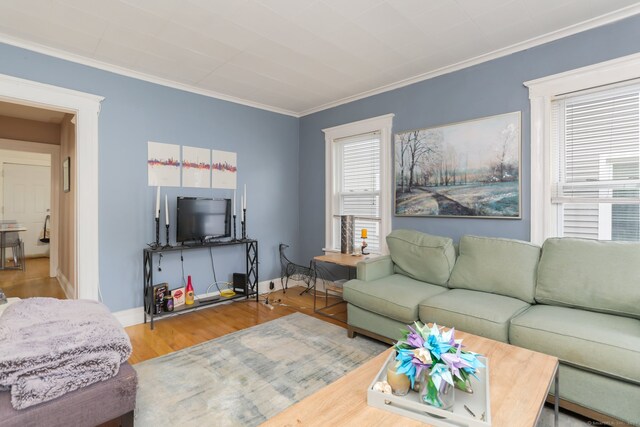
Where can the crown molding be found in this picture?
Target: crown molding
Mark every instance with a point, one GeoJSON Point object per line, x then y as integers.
{"type": "Point", "coordinates": [123, 71]}
{"type": "Point", "coordinates": [527, 44]}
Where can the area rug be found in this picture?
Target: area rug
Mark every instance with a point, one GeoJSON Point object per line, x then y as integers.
{"type": "Point", "coordinates": [247, 377]}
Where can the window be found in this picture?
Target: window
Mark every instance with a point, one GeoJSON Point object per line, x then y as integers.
{"type": "Point", "coordinates": [585, 152]}
{"type": "Point", "coordinates": [358, 180]}
{"type": "Point", "coordinates": [596, 154]}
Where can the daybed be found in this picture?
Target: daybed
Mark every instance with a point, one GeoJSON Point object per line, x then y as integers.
{"type": "Point", "coordinates": [63, 363]}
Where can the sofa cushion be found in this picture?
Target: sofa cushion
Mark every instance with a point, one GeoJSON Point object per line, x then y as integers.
{"type": "Point", "coordinates": [395, 296]}
{"type": "Point", "coordinates": [599, 342]}
{"type": "Point", "coordinates": [422, 256]}
{"type": "Point", "coordinates": [499, 266]}
{"type": "Point", "coordinates": [479, 313]}
{"type": "Point", "coordinates": [590, 274]}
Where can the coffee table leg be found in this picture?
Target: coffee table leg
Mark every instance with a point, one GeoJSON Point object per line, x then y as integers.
{"type": "Point", "coordinates": [556, 400]}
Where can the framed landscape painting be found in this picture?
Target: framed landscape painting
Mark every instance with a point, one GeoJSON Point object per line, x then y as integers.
{"type": "Point", "coordinates": [466, 169]}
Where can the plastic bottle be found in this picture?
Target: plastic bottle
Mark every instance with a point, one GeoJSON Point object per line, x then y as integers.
{"type": "Point", "coordinates": [168, 301]}
{"type": "Point", "coordinates": [189, 297]}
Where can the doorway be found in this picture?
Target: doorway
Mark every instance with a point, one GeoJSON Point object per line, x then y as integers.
{"type": "Point", "coordinates": [85, 109]}
{"type": "Point", "coordinates": [26, 195]}
{"type": "Point", "coordinates": [31, 140]}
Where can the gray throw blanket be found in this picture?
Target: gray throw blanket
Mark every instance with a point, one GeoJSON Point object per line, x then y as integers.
{"type": "Point", "coordinates": [49, 347]}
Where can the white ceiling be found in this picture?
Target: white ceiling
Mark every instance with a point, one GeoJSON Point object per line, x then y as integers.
{"type": "Point", "coordinates": [293, 56]}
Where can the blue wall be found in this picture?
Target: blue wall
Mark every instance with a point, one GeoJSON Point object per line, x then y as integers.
{"type": "Point", "coordinates": [281, 158]}
{"type": "Point", "coordinates": [135, 112]}
{"type": "Point", "coordinates": [486, 89]}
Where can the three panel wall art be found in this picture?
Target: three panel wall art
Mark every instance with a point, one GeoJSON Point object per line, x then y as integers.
{"type": "Point", "coordinates": [169, 166]}
{"type": "Point", "coordinates": [466, 169]}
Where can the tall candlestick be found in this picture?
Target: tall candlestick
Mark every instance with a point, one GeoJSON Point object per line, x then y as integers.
{"type": "Point", "coordinates": [234, 202]}
{"type": "Point", "coordinates": [166, 208]}
{"type": "Point", "coordinates": [242, 207]}
{"type": "Point", "coordinates": [234, 227]}
{"type": "Point", "coordinates": [245, 197]}
{"type": "Point", "coordinates": [158, 203]}
{"type": "Point", "coordinates": [167, 245]}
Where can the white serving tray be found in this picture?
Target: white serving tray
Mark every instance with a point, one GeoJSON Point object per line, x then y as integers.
{"type": "Point", "coordinates": [410, 405]}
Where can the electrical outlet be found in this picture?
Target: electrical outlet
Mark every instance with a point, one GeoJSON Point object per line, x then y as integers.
{"type": "Point", "coordinates": [271, 285]}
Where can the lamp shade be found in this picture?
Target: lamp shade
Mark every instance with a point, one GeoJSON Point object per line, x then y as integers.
{"type": "Point", "coordinates": [347, 231]}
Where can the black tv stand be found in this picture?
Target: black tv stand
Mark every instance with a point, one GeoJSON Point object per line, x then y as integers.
{"type": "Point", "coordinates": [250, 289]}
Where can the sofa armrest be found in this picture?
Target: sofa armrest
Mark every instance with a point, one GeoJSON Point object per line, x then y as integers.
{"type": "Point", "coordinates": [375, 268]}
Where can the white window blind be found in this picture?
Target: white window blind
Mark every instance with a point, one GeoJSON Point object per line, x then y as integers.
{"type": "Point", "coordinates": [357, 186]}
{"type": "Point", "coordinates": [596, 163]}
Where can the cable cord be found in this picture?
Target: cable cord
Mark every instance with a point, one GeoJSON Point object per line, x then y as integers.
{"type": "Point", "coordinates": [184, 282]}
{"type": "Point", "coordinates": [213, 268]}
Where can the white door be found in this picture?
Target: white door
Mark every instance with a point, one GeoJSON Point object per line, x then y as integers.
{"type": "Point", "coordinates": [27, 198]}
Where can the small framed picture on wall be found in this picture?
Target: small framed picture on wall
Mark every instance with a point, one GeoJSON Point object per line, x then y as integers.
{"type": "Point", "coordinates": [66, 164]}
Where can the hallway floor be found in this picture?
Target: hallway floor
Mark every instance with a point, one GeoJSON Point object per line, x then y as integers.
{"type": "Point", "coordinates": [34, 282]}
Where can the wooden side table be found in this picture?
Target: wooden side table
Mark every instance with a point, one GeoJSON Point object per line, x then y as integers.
{"type": "Point", "coordinates": [336, 287]}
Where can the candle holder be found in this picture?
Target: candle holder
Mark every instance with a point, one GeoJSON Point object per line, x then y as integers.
{"type": "Point", "coordinates": [364, 247]}
{"type": "Point", "coordinates": [168, 245]}
{"type": "Point", "coordinates": [244, 224]}
{"type": "Point", "coordinates": [363, 236]}
{"type": "Point", "coordinates": [234, 227]}
{"type": "Point", "coordinates": [156, 244]}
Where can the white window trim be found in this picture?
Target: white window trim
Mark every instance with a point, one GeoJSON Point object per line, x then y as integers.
{"type": "Point", "coordinates": [382, 124]}
{"type": "Point", "coordinates": [86, 107]}
{"type": "Point", "coordinates": [541, 93]}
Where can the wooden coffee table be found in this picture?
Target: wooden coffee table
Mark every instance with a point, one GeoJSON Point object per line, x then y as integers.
{"type": "Point", "coordinates": [519, 381]}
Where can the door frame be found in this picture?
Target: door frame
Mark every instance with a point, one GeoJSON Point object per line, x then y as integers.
{"type": "Point", "coordinates": [86, 107]}
{"type": "Point", "coordinates": [54, 152]}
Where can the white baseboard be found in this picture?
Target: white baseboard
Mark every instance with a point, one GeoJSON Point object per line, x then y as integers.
{"type": "Point", "coordinates": [135, 316]}
{"type": "Point", "coordinates": [66, 286]}
{"type": "Point", "coordinates": [130, 317]}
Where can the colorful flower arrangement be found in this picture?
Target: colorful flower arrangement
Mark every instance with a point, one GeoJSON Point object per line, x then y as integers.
{"type": "Point", "coordinates": [439, 355]}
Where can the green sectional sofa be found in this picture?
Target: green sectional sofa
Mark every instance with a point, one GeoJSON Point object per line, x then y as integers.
{"type": "Point", "coordinates": [576, 299]}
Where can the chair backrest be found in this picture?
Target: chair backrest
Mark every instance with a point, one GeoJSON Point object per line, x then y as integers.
{"type": "Point", "coordinates": [11, 239]}
{"type": "Point", "coordinates": [284, 261]}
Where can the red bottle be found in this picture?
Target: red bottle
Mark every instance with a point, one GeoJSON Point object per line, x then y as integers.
{"type": "Point", "coordinates": [189, 297]}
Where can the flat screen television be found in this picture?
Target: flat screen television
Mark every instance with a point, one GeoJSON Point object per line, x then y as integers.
{"type": "Point", "coordinates": [201, 219]}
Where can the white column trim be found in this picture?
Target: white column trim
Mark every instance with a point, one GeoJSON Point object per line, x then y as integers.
{"type": "Point", "coordinates": [86, 107]}
{"type": "Point", "coordinates": [542, 91]}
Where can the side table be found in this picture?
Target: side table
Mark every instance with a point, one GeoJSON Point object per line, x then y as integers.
{"type": "Point", "coordinates": [336, 287]}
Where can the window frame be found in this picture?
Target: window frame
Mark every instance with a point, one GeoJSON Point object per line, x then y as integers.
{"type": "Point", "coordinates": [383, 125]}
{"type": "Point", "coordinates": [544, 214]}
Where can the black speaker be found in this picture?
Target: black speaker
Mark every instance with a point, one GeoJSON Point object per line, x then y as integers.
{"type": "Point", "coordinates": [240, 282]}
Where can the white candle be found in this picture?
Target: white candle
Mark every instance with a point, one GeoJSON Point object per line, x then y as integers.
{"type": "Point", "coordinates": [245, 197]}
{"type": "Point", "coordinates": [234, 202]}
{"type": "Point", "coordinates": [166, 208]}
{"type": "Point", "coordinates": [158, 203]}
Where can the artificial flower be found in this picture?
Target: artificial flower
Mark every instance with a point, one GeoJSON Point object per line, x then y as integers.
{"type": "Point", "coordinates": [437, 351]}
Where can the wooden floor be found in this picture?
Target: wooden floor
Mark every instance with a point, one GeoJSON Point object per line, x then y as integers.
{"type": "Point", "coordinates": [178, 332]}
{"type": "Point", "coordinates": [33, 282]}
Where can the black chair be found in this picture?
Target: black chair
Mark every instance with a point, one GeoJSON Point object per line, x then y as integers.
{"type": "Point", "coordinates": [291, 270]}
